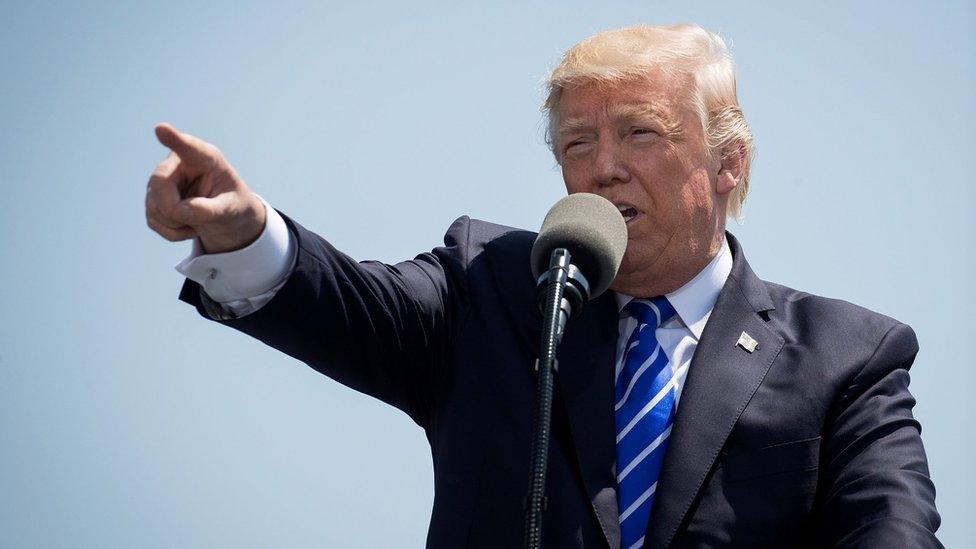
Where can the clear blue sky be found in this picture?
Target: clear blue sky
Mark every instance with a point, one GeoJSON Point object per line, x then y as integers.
{"type": "Point", "coordinates": [126, 420]}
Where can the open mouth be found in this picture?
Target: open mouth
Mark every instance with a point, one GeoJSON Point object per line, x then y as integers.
{"type": "Point", "coordinates": [629, 212]}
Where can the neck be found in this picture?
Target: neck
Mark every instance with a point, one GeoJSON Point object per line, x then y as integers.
{"type": "Point", "coordinates": [668, 278]}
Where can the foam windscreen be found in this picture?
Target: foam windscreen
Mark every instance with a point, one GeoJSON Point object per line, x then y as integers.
{"type": "Point", "coordinates": [593, 231]}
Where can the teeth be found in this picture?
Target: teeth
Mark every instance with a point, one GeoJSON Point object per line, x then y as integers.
{"type": "Point", "coordinates": [629, 212]}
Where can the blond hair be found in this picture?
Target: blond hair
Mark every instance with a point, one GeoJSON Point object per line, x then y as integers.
{"type": "Point", "coordinates": [636, 53]}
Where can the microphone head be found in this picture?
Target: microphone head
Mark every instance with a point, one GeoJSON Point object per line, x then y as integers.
{"type": "Point", "coordinates": [594, 232]}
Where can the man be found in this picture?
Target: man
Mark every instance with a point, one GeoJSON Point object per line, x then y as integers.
{"type": "Point", "coordinates": [695, 405]}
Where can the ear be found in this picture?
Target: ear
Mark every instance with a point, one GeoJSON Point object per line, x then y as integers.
{"type": "Point", "coordinates": [732, 168]}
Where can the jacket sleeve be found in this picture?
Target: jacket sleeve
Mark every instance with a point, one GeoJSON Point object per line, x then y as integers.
{"type": "Point", "coordinates": [876, 480]}
{"type": "Point", "coordinates": [380, 329]}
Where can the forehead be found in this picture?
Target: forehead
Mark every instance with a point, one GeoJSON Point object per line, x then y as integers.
{"type": "Point", "coordinates": [656, 96]}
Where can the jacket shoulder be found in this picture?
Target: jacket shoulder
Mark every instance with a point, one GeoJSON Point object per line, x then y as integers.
{"type": "Point", "coordinates": [803, 317]}
{"type": "Point", "coordinates": [475, 235]}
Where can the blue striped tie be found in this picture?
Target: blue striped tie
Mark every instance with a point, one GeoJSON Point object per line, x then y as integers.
{"type": "Point", "coordinates": [644, 411]}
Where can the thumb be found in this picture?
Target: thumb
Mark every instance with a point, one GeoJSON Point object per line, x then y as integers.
{"type": "Point", "coordinates": [190, 149]}
{"type": "Point", "coordinates": [199, 210]}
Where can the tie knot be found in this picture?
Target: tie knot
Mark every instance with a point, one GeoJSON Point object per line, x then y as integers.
{"type": "Point", "coordinates": [654, 311]}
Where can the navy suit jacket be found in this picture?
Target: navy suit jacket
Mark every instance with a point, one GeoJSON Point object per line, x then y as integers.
{"type": "Point", "coordinates": [807, 441]}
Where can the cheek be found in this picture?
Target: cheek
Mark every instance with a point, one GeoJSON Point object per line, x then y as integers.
{"type": "Point", "coordinates": [700, 193]}
{"type": "Point", "coordinates": [571, 178]}
{"type": "Point", "coordinates": [664, 185]}
{"type": "Point", "coordinates": [688, 207]}
{"type": "Point", "coordinates": [661, 168]}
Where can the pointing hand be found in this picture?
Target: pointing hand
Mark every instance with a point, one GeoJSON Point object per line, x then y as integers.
{"type": "Point", "coordinates": [196, 192]}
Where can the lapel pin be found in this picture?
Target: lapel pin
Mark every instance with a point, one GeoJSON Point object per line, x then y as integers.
{"type": "Point", "coordinates": [747, 343]}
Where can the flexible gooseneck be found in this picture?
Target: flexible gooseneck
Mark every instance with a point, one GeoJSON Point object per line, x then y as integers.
{"type": "Point", "coordinates": [562, 292]}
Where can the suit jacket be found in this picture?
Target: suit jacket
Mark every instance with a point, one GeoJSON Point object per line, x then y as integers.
{"type": "Point", "coordinates": [807, 441]}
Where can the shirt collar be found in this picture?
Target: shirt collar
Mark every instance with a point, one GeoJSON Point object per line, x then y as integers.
{"type": "Point", "coordinates": [694, 301]}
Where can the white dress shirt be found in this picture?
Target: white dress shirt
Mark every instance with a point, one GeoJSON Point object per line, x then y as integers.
{"type": "Point", "coordinates": [693, 303]}
{"type": "Point", "coordinates": [245, 280]}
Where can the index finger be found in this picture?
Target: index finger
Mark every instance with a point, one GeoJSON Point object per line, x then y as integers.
{"type": "Point", "coordinates": [191, 150]}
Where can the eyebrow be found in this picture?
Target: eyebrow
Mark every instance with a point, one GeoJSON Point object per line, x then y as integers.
{"type": "Point", "coordinates": [625, 112]}
{"type": "Point", "coordinates": [631, 112]}
{"type": "Point", "coordinates": [572, 125]}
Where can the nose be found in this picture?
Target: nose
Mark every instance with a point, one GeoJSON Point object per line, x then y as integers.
{"type": "Point", "coordinates": [608, 164]}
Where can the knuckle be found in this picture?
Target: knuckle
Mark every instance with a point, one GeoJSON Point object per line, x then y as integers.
{"type": "Point", "coordinates": [155, 182]}
{"type": "Point", "coordinates": [157, 228]}
{"type": "Point", "coordinates": [214, 155]}
{"type": "Point", "coordinates": [164, 166]}
{"type": "Point", "coordinates": [165, 232]}
{"type": "Point", "coordinates": [165, 169]}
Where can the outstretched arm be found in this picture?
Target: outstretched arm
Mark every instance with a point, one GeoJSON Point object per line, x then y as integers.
{"type": "Point", "coordinates": [381, 329]}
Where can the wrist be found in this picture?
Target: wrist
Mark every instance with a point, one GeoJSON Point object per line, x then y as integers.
{"type": "Point", "coordinates": [250, 224]}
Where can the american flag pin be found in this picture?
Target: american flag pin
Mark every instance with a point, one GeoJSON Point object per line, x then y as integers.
{"type": "Point", "coordinates": [747, 342]}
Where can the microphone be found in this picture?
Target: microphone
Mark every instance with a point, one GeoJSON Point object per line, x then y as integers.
{"type": "Point", "coordinates": [593, 236]}
{"type": "Point", "coordinates": [575, 258]}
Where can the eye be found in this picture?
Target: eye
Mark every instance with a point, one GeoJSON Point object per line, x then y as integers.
{"type": "Point", "coordinates": [574, 145]}
{"type": "Point", "coordinates": [642, 131]}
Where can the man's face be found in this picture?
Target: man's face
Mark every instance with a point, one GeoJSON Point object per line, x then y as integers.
{"type": "Point", "coordinates": [640, 145]}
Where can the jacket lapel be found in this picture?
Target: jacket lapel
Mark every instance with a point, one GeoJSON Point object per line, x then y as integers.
{"type": "Point", "coordinates": [721, 380]}
{"type": "Point", "coordinates": [584, 379]}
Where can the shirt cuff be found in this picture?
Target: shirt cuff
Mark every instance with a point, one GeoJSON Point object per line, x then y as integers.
{"type": "Point", "coordinates": [248, 272]}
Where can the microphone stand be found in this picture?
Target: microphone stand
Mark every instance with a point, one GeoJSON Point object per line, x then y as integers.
{"type": "Point", "coordinates": [562, 291]}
